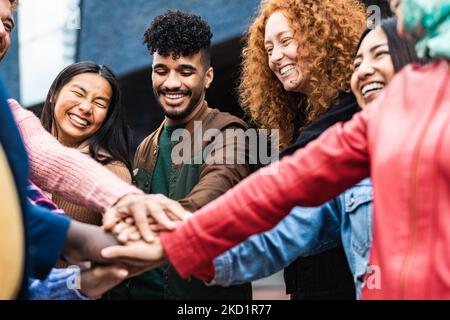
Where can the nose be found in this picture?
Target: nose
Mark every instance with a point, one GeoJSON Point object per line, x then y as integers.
{"type": "Point", "coordinates": [85, 107]}
{"type": "Point", "coordinates": [365, 69]}
{"type": "Point", "coordinates": [172, 82]}
{"type": "Point", "coordinates": [3, 32]}
{"type": "Point", "coordinates": [276, 55]}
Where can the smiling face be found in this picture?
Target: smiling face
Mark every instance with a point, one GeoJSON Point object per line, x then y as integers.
{"type": "Point", "coordinates": [180, 84]}
{"type": "Point", "coordinates": [282, 51]}
{"type": "Point", "coordinates": [81, 108]}
{"type": "Point", "coordinates": [373, 67]}
{"type": "Point", "coordinates": [6, 27]}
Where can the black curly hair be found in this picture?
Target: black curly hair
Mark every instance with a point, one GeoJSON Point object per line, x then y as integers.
{"type": "Point", "coordinates": [178, 34]}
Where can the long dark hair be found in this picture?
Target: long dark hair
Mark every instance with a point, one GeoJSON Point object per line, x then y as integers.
{"type": "Point", "coordinates": [401, 50]}
{"type": "Point", "coordinates": [113, 136]}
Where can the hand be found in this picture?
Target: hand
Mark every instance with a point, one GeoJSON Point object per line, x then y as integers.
{"type": "Point", "coordinates": [98, 280]}
{"type": "Point", "coordinates": [126, 230]}
{"type": "Point", "coordinates": [145, 209]}
{"type": "Point", "coordinates": [84, 242]}
{"type": "Point", "coordinates": [149, 255]}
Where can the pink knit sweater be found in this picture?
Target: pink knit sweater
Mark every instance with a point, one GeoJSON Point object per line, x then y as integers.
{"type": "Point", "coordinates": [65, 171]}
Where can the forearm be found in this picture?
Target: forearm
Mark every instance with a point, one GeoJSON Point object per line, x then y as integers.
{"type": "Point", "coordinates": [84, 242]}
{"type": "Point", "coordinates": [319, 172]}
{"type": "Point", "coordinates": [304, 232]}
{"type": "Point", "coordinates": [65, 171]}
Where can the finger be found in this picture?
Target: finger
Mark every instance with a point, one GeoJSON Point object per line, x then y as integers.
{"type": "Point", "coordinates": [121, 252]}
{"type": "Point", "coordinates": [129, 221]}
{"type": "Point", "coordinates": [110, 218]}
{"type": "Point", "coordinates": [160, 216]}
{"type": "Point", "coordinates": [141, 221]}
{"type": "Point", "coordinates": [160, 228]}
{"type": "Point", "coordinates": [135, 250]}
{"type": "Point", "coordinates": [187, 215]}
{"type": "Point", "coordinates": [123, 237]}
{"type": "Point", "coordinates": [176, 211]}
{"type": "Point", "coordinates": [119, 228]}
{"type": "Point", "coordinates": [156, 228]}
{"type": "Point", "coordinates": [135, 236]}
{"type": "Point", "coordinates": [121, 234]}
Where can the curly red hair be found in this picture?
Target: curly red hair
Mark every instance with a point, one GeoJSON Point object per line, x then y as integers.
{"type": "Point", "coordinates": [327, 32]}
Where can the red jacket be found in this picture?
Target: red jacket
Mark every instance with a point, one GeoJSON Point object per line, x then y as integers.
{"type": "Point", "coordinates": [402, 141]}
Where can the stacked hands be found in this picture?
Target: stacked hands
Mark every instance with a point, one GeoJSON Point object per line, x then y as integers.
{"type": "Point", "coordinates": [136, 221]}
{"type": "Point", "coordinates": [127, 245]}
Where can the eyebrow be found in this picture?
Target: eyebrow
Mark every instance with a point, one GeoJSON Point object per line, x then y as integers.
{"type": "Point", "coordinates": [183, 66]}
{"type": "Point", "coordinates": [188, 66]}
{"type": "Point", "coordinates": [159, 65]}
{"type": "Point", "coordinates": [372, 49]}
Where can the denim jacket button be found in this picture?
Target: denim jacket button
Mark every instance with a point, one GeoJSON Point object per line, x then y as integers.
{"type": "Point", "coordinates": [351, 201]}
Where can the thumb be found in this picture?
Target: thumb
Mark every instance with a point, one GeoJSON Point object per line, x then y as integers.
{"type": "Point", "coordinates": [138, 250]}
{"type": "Point", "coordinates": [116, 252]}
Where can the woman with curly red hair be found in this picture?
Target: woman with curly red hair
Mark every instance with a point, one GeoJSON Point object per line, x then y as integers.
{"type": "Point", "coordinates": [323, 36]}
{"type": "Point", "coordinates": [296, 72]}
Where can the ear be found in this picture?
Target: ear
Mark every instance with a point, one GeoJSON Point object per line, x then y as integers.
{"type": "Point", "coordinates": [209, 77]}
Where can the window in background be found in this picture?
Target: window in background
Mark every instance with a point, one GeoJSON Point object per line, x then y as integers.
{"type": "Point", "coordinates": [48, 32]}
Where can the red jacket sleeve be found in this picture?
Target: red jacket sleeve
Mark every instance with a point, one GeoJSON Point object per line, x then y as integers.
{"type": "Point", "coordinates": [321, 171]}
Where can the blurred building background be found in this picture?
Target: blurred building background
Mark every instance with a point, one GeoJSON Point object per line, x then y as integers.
{"type": "Point", "coordinates": [54, 33]}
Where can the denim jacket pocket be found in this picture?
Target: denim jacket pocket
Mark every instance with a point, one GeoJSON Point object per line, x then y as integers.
{"type": "Point", "coordinates": [358, 206]}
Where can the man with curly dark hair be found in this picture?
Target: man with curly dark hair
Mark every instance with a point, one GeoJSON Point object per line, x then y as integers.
{"type": "Point", "coordinates": [6, 26]}
{"type": "Point", "coordinates": [180, 44]}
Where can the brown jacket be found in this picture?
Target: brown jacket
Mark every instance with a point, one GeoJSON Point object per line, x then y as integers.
{"type": "Point", "coordinates": [195, 185]}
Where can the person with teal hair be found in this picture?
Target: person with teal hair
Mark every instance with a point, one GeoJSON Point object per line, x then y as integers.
{"type": "Point", "coordinates": [428, 22]}
{"type": "Point", "coordinates": [402, 141]}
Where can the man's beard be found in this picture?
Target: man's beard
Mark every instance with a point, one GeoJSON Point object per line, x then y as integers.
{"type": "Point", "coordinates": [186, 112]}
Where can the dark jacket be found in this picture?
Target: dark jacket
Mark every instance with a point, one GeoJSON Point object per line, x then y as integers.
{"type": "Point", "coordinates": [326, 275]}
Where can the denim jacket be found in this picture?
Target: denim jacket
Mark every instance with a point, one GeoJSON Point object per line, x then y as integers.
{"type": "Point", "coordinates": [305, 232]}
